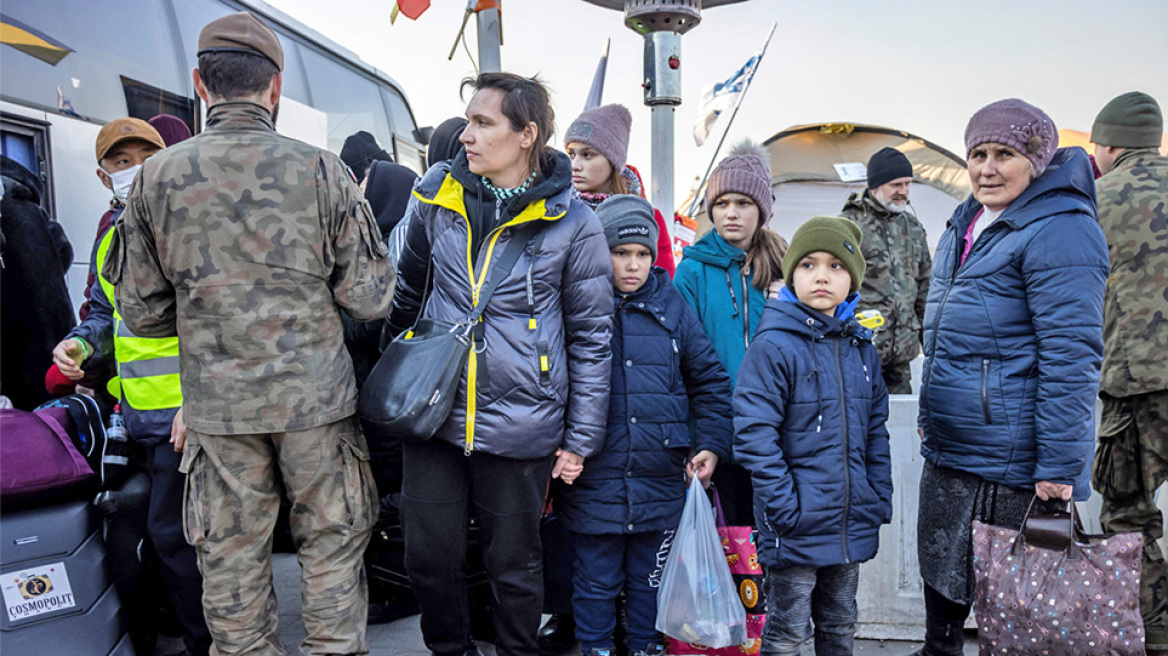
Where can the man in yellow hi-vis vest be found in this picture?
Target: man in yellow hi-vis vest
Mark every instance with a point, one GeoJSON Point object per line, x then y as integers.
{"type": "Point", "coordinates": [147, 385]}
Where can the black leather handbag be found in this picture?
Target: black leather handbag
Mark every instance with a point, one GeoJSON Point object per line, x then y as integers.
{"type": "Point", "coordinates": [411, 390]}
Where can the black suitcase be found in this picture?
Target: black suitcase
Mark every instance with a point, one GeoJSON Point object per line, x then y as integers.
{"type": "Point", "coordinates": [58, 594]}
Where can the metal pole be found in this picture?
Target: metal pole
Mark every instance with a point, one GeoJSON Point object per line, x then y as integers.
{"type": "Point", "coordinates": [489, 39]}
{"type": "Point", "coordinates": [662, 160]}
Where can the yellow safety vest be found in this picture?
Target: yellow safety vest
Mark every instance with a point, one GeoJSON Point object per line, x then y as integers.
{"type": "Point", "coordinates": [147, 366]}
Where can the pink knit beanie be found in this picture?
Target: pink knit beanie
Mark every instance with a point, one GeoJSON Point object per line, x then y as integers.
{"type": "Point", "coordinates": [745, 171]}
{"type": "Point", "coordinates": [605, 128]}
{"type": "Point", "coordinates": [1017, 124]}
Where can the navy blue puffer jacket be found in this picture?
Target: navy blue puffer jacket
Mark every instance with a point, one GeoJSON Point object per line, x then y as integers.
{"type": "Point", "coordinates": [1013, 337]}
{"type": "Point", "coordinates": [663, 367]}
{"type": "Point", "coordinates": [809, 414]}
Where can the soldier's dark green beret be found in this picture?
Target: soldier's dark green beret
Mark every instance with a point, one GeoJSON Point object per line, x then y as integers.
{"type": "Point", "coordinates": [244, 33]}
{"type": "Point", "coordinates": [1132, 120]}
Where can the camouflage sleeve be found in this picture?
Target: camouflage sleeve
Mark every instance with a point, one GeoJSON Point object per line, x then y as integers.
{"type": "Point", "coordinates": [362, 277]}
{"type": "Point", "coordinates": [144, 296]}
{"type": "Point", "coordinates": [924, 274]}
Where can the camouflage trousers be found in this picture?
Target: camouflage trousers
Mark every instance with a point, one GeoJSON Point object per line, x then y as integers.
{"type": "Point", "coordinates": [1131, 463]}
{"type": "Point", "coordinates": [898, 378]}
{"type": "Point", "coordinates": [230, 505]}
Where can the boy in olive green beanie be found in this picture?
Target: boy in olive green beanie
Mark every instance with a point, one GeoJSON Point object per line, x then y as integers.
{"type": "Point", "coordinates": [824, 240]}
{"type": "Point", "coordinates": [809, 425]}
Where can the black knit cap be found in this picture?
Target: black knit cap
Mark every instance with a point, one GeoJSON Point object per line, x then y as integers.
{"type": "Point", "coordinates": [887, 165]}
{"type": "Point", "coordinates": [361, 149]}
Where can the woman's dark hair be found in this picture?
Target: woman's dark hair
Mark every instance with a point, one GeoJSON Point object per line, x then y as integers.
{"type": "Point", "coordinates": [525, 100]}
{"type": "Point", "coordinates": [232, 75]}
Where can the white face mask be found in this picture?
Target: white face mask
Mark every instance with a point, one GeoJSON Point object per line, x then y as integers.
{"type": "Point", "coordinates": [121, 181]}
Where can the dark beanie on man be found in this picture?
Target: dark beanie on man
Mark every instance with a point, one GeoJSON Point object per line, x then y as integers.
{"type": "Point", "coordinates": [1132, 120]}
{"type": "Point", "coordinates": [886, 165]}
{"type": "Point", "coordinates": [445, 142]}
{"type": "Point", "coordinates": [628, 219]}
{"type": "Point", "coordinates": [831, 234]}
{"type": "Point", "coordinates": [359, 150]}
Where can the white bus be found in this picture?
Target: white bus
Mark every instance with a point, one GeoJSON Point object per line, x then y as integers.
{"type": "Point", "coordinates": [67, 67]}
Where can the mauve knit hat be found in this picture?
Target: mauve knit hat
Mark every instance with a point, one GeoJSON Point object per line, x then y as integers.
{"type": "Point", "coordinates": [747, 171]}
{"type": "Point", "coordinates": [605, 128]}
{"type": "Point", "coordinates": [1017, 124]}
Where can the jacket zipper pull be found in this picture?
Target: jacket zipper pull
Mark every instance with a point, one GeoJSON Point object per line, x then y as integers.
{"type": "Point", "coordinates": [466, 450]}
{"type": "Point", "coordinates": [866, 374]}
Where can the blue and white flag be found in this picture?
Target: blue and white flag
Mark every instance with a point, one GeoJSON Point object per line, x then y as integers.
{"type": "Point", "coordinates": [722, 96]}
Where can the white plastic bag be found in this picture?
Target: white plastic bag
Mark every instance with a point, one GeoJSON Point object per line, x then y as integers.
{"type": "Point", "coordinates": [698, 602]}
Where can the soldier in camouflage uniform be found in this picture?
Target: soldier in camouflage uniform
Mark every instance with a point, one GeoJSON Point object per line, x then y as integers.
{"type": "Point", "coordinates": [899, 264]}
{"type": "Point", "coordinates": [247, 245]}
{"type": "Point", "coordinates": [1132, 459]}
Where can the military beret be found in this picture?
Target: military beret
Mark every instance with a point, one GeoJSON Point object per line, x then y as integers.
{"type": "Point", "coordinates": [244, 33]}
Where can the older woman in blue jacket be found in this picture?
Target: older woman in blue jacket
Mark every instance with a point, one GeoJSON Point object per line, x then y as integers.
{"type": "Point", "coordinates": [1013, 346]}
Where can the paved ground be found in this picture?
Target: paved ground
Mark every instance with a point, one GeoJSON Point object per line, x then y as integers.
{"type": "Point", "coordinates": [404, 638]}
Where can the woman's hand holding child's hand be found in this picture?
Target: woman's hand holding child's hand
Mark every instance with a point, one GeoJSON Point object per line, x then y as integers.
{"type": "Point", "coordinates": [568, 466]}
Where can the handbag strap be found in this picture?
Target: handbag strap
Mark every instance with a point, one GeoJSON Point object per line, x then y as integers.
{"type": "Point", "coordinates": [1056, 531]}
{"type": "Point", "coordinates": [719, 514]}
{"type": "Point", "coordinates": [502, 267]}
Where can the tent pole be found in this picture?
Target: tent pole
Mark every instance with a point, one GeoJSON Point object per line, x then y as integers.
{"type": "Point", "coordinates": [698, 194]}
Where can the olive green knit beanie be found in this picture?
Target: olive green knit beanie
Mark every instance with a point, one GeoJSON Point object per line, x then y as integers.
{"type": "Point", "coordinates": [831, 234]}
{"type": "Point", "coordinates": [1132, 120]}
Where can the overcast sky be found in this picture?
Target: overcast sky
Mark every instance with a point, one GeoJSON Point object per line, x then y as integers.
{"type": "Point", "coordinates": [923, 66]}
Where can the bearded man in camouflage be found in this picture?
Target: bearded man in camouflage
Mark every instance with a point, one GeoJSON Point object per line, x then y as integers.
{"type": "Point", "coordinates": [1132, 459]}
{"type": "Point", "coordinates": [899, 264]}
{"type": "Point", "coordinates": [247, 244]}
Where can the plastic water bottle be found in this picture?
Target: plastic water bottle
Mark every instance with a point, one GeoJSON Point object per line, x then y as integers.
{"type": "Point", "coordinates": [117, 427]}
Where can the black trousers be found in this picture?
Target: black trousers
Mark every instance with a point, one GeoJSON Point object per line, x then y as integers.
{"type": "Point", "coordinates": [439, 485]}
{"type": "Point", "coordinates": [179, 565]}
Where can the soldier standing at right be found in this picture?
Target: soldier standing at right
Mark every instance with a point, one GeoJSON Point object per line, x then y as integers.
{"type": "Point", "coordinates": [1131, 462]}
{"type": "Point", "coordinates": [246, 245]}
{"type": "Point", "coordinates": [899, 264]}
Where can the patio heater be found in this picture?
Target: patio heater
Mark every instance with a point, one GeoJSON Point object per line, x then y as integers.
{"type": "Point", "coordinates": [662, 22]}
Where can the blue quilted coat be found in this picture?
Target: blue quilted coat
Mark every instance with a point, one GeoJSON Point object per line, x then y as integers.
{"type": "Point", "coordinates": [1013, 337]}
{"type": "Point", "coordinates": [663, 369]}
{"type": "Point", "coordinates": [809, 415]}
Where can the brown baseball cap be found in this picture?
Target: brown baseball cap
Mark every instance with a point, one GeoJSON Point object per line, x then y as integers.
{"type": "Point", "coordinates": [125, 129]}
{"type": "Point", "coordinates": [242, 32]}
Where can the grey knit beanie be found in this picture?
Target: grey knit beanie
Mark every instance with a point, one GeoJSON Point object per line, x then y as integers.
{"type": "Point", "coordinates": [1017, 124]}
{"type": "Point", "coordinates": [1132, 120]}
{"type": "Point", "coordinates": [628, 219]}
{"type": "Point", "coordinates": [747, 171]}
{"type": "Point", "coordinates": [605, 128]}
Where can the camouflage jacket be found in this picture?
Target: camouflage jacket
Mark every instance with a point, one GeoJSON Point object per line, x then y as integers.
{"type": "Point", "coordinates": [1133, 210]}
{"type": "Point", "coordinates": [246, 244]}
{"type": "Point", "coordinates": [897, 279]}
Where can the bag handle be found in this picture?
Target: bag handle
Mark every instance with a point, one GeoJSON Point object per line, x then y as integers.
{"type": "Point", "coordinates": [719, 514]}
{"type": "Point", "coordinates": [1055, 531]}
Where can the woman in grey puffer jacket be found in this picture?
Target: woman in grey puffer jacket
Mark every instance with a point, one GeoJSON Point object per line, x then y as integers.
{"type": "Point", "coordinates": [544, 338]}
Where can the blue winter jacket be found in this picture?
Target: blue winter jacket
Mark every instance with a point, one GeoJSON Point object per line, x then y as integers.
{"type": "Point", "coordinates": [1013, 337]}
{"type": "Point", "coordinates": [710, 279]}
{"type": "Point", "coordinates": [809, 414]}
{"type": "Point", "coordinates": [663, 370]}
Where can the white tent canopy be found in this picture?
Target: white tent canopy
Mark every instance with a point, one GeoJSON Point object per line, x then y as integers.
{"type": "Point", "coordinates": [806, 182]}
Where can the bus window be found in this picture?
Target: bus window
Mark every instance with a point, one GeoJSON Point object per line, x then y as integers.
{"type": "Point", "coordinates": [107, 40]}
{"type": "Point", "coordinates": [145, 102]}
{"type": "Point", "coordinates": [399, 114]}
{"type": "Point", "coordinates": [194, 14]}
{"type": "Point", "coordinates": [351, 101]}
{"type": "Point", "coordinates": [25, 141]}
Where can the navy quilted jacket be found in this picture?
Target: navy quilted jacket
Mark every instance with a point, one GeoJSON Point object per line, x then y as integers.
{"type": "Point", "coordinates": [663, 368]}
{"type": "Point", "coordinates": [1013, 337]}
{"type": "Point", "coordinates": [809, 415]}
